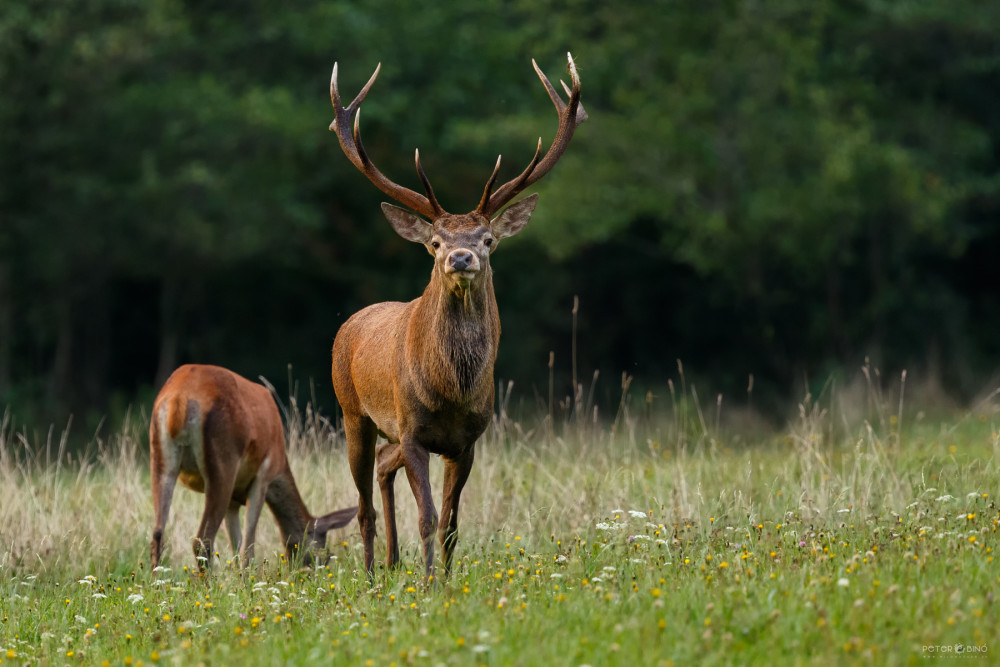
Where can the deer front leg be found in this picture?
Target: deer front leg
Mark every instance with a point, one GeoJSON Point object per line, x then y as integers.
{"type": "Point", "coordinates": [361, 435]}
{"type": "Point", "coordinates": [255, 503]}
{"type": "Point", "coordinates": [233, 527]}
{"type": "Point", "coordinates": [456, 474]}
{"type": "Point", "coordinates": [416, 462]}
{"type": "Point", "coordinates": [390, 459]}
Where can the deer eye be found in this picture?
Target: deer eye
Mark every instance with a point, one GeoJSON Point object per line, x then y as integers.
{"type": "Point", "coordinates": [488, 242]}
{"type": "Point", "coordinates": [435, 244]}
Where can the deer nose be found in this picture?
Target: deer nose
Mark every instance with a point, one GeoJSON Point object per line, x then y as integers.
{"type": "Point", "coordinates": [462, 260]}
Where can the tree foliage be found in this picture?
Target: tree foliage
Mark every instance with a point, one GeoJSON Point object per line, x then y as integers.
{"type": "Point", "coordinates": [769, 188]}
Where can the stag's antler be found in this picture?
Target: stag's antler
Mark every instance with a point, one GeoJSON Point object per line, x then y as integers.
{"type": "Point", "coordinates": [355, 151]}
{"type": "Point", "coordinates": [571, 114]}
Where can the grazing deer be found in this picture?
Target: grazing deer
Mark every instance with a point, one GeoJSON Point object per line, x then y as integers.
{"type": "Point", "coordinates": [221, 435]}
{"type": "Point", "coordinates": [421, 373]}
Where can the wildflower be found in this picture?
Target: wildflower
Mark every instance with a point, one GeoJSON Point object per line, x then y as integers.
{"type": "Point", "coordinates": [843, 582]}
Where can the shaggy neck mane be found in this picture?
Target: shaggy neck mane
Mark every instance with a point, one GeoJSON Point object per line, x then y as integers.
{"type": "Point", "coordinates": [463, 321]}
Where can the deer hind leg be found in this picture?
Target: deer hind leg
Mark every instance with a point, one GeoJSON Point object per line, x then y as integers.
{"type": "Point", "coordinates": [220, 479]}
{"type": "Point", "coordinates": [218, 494]}
{"type": "Point", "coordinates": [390, 459]}
{"type": "Point", "coordinates": [361, 434]}
{"type": "Point", "coordinates": [417, 460]}
{"type": "Point", "coordinates": [164, 467]}
{"type": "Point", "coordinates": [456, 474]}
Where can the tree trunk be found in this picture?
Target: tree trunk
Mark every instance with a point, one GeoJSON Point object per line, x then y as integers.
{"type": "Point", "coordinates": [169, 316]}
{"type": "Point", "coordinates": [96, 354]}
{"type": "Point", "coordinates": [6, 330]}
{"type": "Point", "coordinates": [62, 357]}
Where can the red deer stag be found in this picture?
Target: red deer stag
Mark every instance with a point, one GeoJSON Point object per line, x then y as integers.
{"type": "Point", "coordinates": [221, 434]}
{"type": "Point", "coordinates": [421, 373]}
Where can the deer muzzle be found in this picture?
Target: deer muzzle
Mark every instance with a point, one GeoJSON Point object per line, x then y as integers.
{"type": "Point", "coordinates": [463, 262]}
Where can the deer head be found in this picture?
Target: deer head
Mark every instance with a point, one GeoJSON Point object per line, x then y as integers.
{"type": "Point", "coordinates": [460, 244]}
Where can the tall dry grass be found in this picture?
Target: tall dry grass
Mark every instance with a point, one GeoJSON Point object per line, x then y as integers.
{"type": "Point", "coordinates": [679, 458]}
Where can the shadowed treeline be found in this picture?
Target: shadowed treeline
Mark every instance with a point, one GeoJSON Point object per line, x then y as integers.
{"type": "Point", "coordinates": [768, 188]}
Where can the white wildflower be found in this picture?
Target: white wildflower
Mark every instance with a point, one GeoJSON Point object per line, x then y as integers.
{"type": "Point", "coordinates": [843, 582]}
{"type": "Point", "coordinates": [636, 514]}
{"type": "Point", "coordinates": [135, 597]}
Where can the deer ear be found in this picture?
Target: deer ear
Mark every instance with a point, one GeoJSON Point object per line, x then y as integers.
{"type": "Point", "coordinates": [514, 217]}
{"type": "Point", "coordinates": [408, 225]}
{"type": "Point", "coordinates": [337, 519]}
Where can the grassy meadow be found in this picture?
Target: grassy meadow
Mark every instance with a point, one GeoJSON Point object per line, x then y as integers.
{"type": "Point", "coordinates": [676, 531]}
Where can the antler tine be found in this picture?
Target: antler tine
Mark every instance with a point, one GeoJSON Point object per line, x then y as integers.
{"type": "Point", "coordinates": [350, 143]}
{"type": "Point", "coordinates": [489, 188]}
{"type": "Point", "coordinates": [515, 185]}
{"type": "Point", "coordinates": [571, 114]}
{"type": "Point", "coordinates": [581, 114]}
{"type": "Point", "coordinates": [364, 91]}
{"type": "Point", "coordinates": [427, 186]}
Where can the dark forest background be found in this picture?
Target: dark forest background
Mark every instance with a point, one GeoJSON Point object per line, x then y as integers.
{"type": "Point", "coordinates": [780, 188]}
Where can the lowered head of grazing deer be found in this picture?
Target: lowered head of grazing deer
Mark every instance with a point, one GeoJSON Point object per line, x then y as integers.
{"type": "Point", "coordinates": [221, 435]}
{"type": "Point", "coordinates": [421, 373]}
